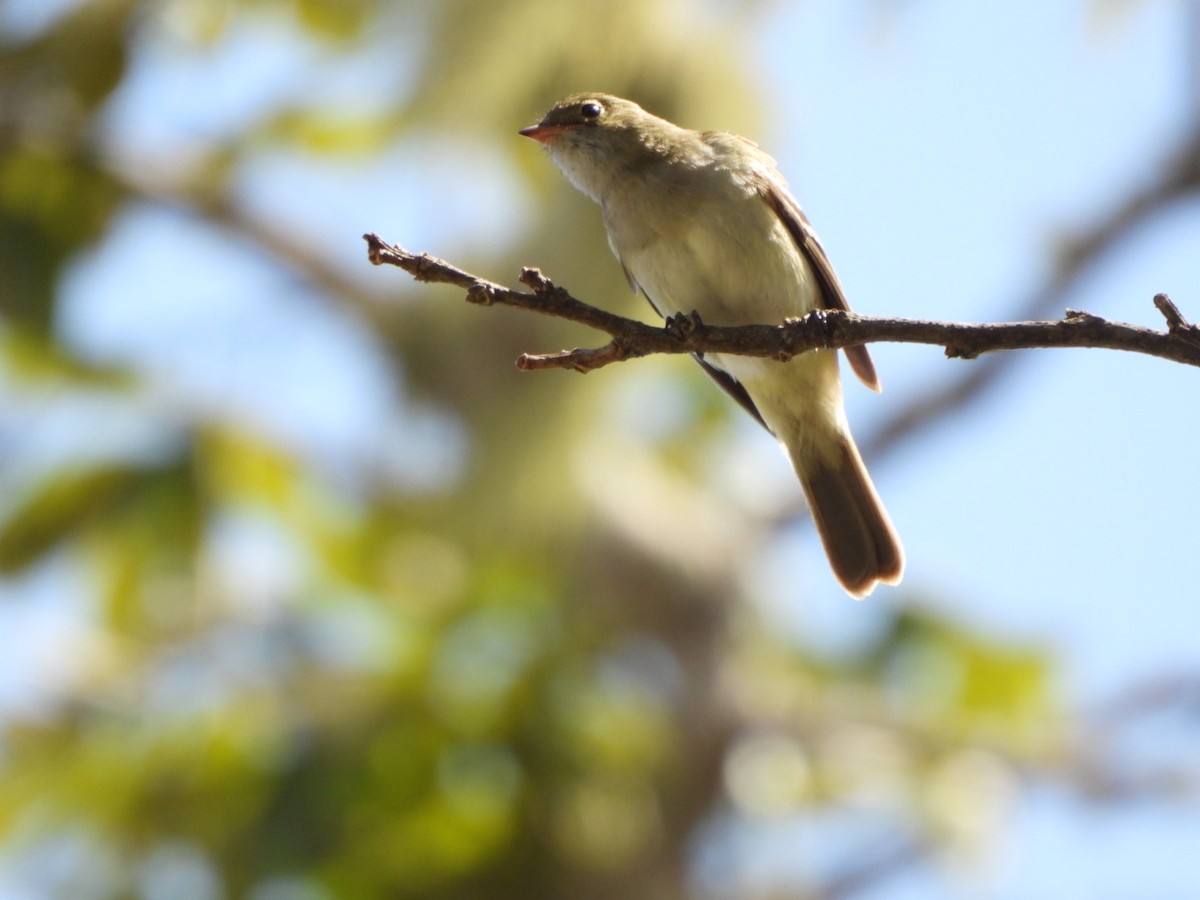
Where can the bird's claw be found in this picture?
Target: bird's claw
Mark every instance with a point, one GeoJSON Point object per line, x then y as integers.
{"type": "Point", "coordinates": [681, 325]}
{"type": "Point", "coordinates": [818, 319]}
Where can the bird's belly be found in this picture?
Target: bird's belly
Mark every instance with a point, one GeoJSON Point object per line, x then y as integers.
{"type": "Point", "coordinates": [731, 273]}
{"type": "Point", "coordinates": [742, 271]}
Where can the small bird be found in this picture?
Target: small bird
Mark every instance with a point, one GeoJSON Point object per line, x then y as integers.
{"type": "Point", "coordinates": [703, 221]}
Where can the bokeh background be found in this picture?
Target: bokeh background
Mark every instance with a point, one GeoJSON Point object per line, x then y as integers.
{"type": "Point", "coordinates": [306, 592]}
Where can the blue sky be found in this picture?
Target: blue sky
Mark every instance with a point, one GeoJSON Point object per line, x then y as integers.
{"type": "Point", "coordinates": [936, 164]}
{"type": "Point", "coordinates": [936, 158]}
{"type": "Point", "coordinates": [936, 153]}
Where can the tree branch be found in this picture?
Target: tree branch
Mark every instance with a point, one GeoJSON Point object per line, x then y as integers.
{"type": "Point", "coordinates": [826, 328]}
{"type": "Point", "coordinates": [1177, 178]}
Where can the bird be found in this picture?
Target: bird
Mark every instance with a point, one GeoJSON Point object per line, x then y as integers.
{"type": "Point", "coordinates": [703, 222]}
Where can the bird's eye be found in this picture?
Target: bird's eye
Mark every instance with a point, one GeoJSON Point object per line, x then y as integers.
{"type": "Point", "coordinates": [591, 110]}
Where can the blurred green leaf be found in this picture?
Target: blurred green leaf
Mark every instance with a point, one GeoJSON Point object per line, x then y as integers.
{"type": "Point", "coordinates": [977, 688]}
{"type": "Point", "coordinates": [338, 19]}
{"type": "Point", "coordinates": [58, 508]}
{"type": "Point", "coordinates": [86, 50]}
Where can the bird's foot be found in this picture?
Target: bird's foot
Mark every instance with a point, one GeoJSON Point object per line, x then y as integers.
{"type": "Point", "coordinates": [681, 325]}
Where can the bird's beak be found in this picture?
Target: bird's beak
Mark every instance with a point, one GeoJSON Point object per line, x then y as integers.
{"type": "Point", "coordinates": [543, 133]}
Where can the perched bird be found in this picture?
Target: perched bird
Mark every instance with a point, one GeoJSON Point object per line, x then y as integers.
{"type": "Point", "coordinates": [703, 221]}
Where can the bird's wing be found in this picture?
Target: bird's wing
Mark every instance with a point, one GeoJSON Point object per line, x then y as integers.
{"type": "Point", "coordinates": [732, 387]}
{"type": "Point", "coordinates": [724, 380]}
{"type": "Point", "coordinates": [772, 187]}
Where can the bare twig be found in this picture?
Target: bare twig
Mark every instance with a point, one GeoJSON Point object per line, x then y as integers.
{"type": "Point", "coordinates": [285, 246]}
{"type": "Point", "coordinates": [831, 329]}
{"type": "Point", "coordinates": [1176, 323]}
{"type": "Point", "coordinates": [1178, 177]}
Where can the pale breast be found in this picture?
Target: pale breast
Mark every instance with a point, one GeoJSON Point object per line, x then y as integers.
{"type": "Point", "coordinates": [700, 240]}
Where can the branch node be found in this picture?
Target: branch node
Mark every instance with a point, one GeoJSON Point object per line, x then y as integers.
{"type": "Point", "coordinates": [533, 279]}
{"type": "Point", "coordinates": [957, 351]}
{"type": "Point", "coordinates": [1170, 312]}
{"type": "Point", "coordinates": [481, 294]}
{"type": "Point", "coordinates": [374, 245]}
{"type": "Point", "coordinates": [1082, 316]}
{"type": "Point", "coordinates": [1177, 325]}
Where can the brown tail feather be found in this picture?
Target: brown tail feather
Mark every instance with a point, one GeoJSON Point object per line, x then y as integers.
{"type": "Point", "coordinates": [859, 539]}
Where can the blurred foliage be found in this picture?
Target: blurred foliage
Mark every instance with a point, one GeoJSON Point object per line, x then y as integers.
{"type": "Point", "coordinates": [301, 679]}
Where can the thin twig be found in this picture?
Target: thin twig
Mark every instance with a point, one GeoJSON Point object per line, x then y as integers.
{"type": "Point", "coordinates": [832, 329]}
{"type": "Point", "coordinates": [1176, 323]}
{"type": "Point", "coordinates": [1177, 177]}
